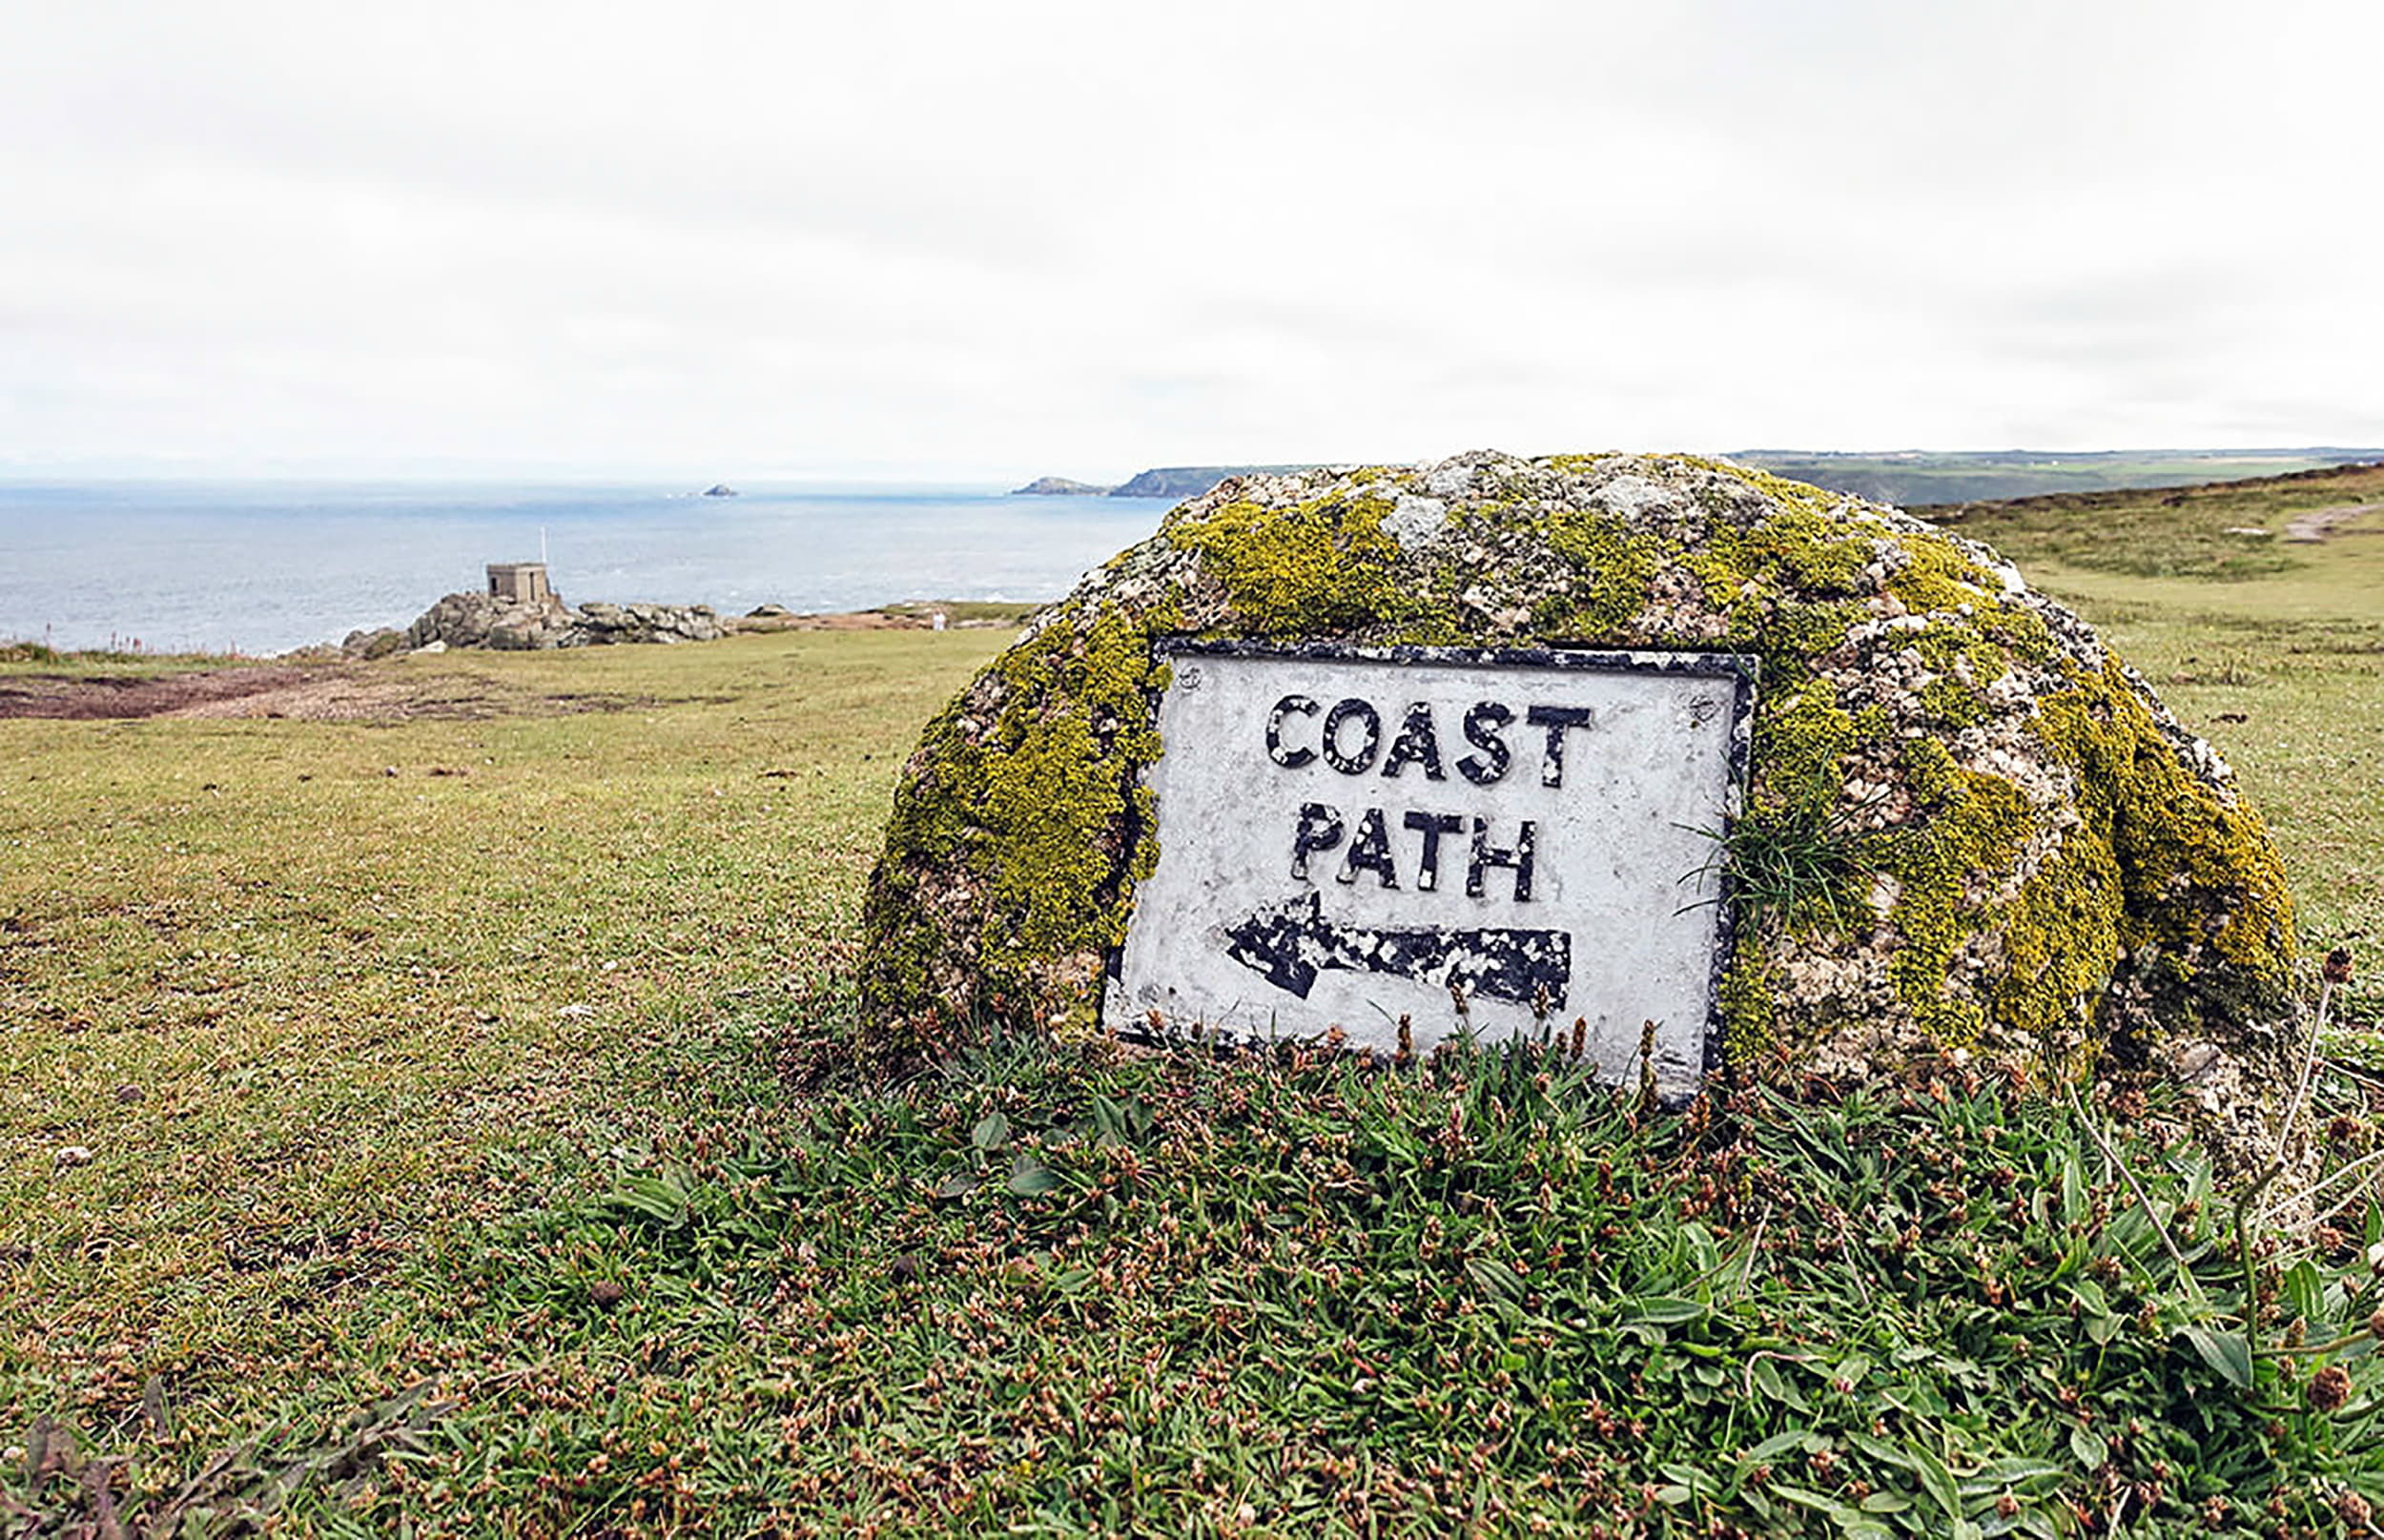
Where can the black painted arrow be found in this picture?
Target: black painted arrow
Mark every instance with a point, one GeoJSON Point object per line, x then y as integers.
{"type": "Point", "coordinates": [1290, 946]}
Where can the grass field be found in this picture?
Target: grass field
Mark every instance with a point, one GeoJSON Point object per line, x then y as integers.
{"type": "Point", "coordinates": [309, 993]}
{"type": "Point", "coordinates": [394, 1140]}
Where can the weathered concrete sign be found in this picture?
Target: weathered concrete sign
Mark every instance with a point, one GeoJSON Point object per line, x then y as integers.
{"type": "Point", "coordinates": [1344, 833]}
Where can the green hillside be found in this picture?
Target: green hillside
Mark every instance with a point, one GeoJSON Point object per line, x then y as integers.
{"type": "Point", "coordinates": [1908, 477]}
{"type": "Point", "coordinates": [2227, 530]}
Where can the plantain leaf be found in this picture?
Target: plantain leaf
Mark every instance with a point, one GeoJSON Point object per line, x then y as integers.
{"type": "Point", "coordinates": [1030, 1176]}
{"type": "Point", "coordinates": [2225, 1351]}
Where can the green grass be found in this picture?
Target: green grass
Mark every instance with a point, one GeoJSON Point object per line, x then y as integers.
{"type": "Point", "coordinates": [443, 1178]}
{"type": "Point", "coordinates": [294, 1004]}
{"type": "Point", "coordinates": [21, 658]}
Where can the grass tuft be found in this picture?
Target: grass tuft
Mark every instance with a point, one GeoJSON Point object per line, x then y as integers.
{"type": "Point", "coordinates": [1297, 1294]}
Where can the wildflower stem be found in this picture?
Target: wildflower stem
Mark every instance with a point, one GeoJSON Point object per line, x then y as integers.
{"type": "Point", "coordinates": [2355, 1167]}
{"type": "Point", "coordinates": [2143, 1199]}
{"type": "Point", "coordinates": [2308, 1067]}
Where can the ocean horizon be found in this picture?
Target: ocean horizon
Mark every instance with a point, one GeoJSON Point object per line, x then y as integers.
{"type": "Point", "coordinates": [263, 568]}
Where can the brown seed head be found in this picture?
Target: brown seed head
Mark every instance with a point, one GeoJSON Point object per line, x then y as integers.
{"type": "Point", "coordinates": [2329, 1388]}
{"type": "Point", "coordinates": [2354, 1510]}
{"type": "Point", "coordinates": [2337, 969]}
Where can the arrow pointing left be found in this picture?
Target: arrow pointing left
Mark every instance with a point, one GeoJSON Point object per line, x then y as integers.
{"type": "Point", "coordinates": [1290, 946]}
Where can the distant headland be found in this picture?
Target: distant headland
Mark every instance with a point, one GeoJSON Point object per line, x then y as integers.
{"type": "Point", "coordinates": [1909, 478]}
{"type": "Point", "coordinates": [1159, 481]}
{"type": "Point", "coordinates": [1057, 486]}
{"type": "Point", "coordinates": [1191, 480]}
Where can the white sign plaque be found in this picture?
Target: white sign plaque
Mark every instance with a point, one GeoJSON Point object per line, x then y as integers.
{"type": "Point", "coordinates": [1344, 833]}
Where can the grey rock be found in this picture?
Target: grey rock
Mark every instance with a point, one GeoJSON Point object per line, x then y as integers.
{"type": "Point", "coordinates": [479, 620]}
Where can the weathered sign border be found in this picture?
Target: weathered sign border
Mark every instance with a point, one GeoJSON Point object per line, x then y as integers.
{"type": "Point", "coordinates": [1740, 672]}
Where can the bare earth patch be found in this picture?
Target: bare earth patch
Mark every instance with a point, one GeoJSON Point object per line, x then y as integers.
{"type": "Point", "coordinates": [316, 694]}
{"type": "Point", "coordinates": [869, 620]}
{"type": "Point", "coordinates": [2317, 523]}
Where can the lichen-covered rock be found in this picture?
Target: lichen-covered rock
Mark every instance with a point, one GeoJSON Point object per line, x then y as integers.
{"type": "Point", "coordinates": [1971, 828]}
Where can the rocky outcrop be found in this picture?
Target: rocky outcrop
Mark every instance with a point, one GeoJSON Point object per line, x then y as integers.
{"type": "Point", "coordinates": [601, 624]}
{"type": "Point", "coordinates": [480, 620]}
{"type": "Point", "coordinates": [1969, 828]}
{"type": "Point", "coordinates": [377, 643]}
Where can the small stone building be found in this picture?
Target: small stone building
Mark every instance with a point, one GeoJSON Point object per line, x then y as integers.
{"type": "Point", "coordinates": [520, 583]}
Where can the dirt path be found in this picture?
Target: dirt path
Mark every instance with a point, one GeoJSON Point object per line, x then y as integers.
{"type": "Point", "coordinates": [336, 693]}
{"type": "Point", "coordinates": [92, 696]}
{"type": "Point", "coordinates": [2317, 523]}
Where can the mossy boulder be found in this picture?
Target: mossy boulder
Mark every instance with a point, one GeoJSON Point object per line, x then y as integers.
{"type": "Point", "coordinates": [1970, 829]}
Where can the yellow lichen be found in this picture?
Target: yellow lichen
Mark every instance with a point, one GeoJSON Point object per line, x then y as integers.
{"type": "Point", "coordinates": [1316, 568]}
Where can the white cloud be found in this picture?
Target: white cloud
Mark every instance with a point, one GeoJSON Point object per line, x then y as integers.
{"type": "Point", "coordinates": [955, 238]}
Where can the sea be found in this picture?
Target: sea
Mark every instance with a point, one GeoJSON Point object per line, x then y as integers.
{"type": "Point", "coordinates": [262, 567]}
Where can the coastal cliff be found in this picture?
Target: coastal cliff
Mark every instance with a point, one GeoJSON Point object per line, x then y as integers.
{"type": "Point", "coordinates": [1180, 482]}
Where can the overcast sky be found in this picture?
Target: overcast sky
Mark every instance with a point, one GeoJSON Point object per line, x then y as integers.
{"type": "Point", "coordinates": [1006, 238]}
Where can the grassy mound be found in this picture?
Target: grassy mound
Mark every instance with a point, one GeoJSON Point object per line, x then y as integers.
{"type": "Point", "coordinates": [1164, 1296]}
